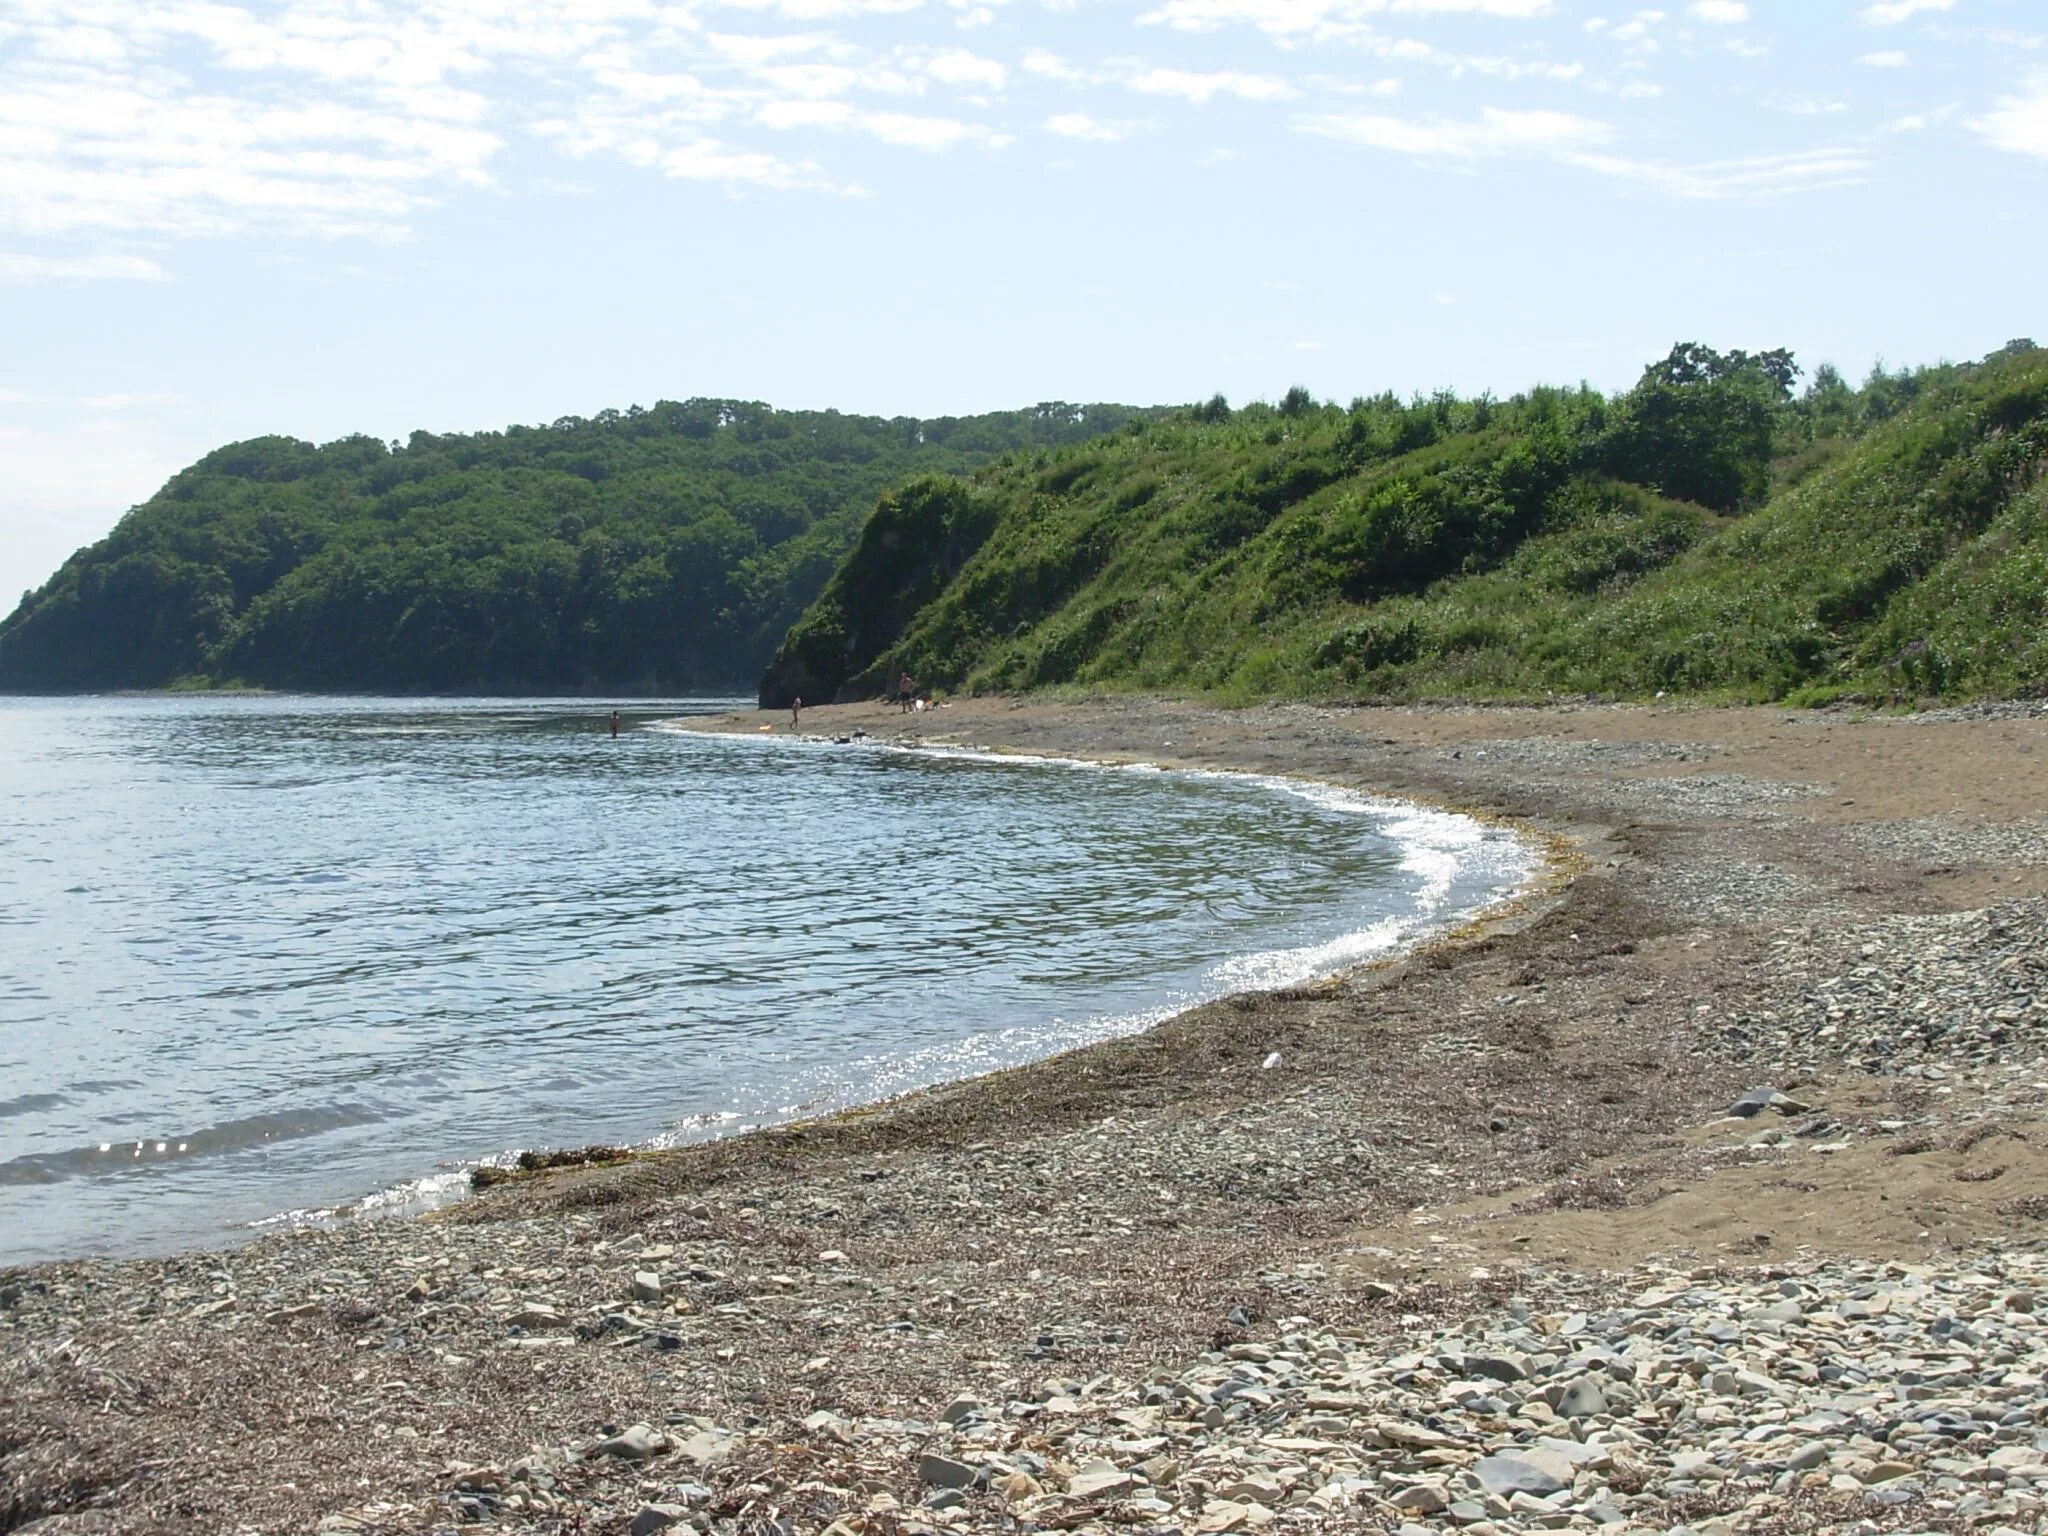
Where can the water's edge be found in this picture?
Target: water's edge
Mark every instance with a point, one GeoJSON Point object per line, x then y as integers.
{"type": "Point", "coordinates": [1469, 870]}
{"type": "Point", "coordinates": [1549, 860]}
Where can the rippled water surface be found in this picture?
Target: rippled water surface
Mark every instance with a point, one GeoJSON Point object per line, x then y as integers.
{"type": "Point", "coordinates": [266, 957]}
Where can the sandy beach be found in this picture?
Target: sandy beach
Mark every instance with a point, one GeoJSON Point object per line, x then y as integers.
{"type": "Point", "coordinates": [1483, 1249]}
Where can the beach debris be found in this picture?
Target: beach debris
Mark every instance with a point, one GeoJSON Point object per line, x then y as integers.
{"type": "Point", "coordinates": [637, 1442]}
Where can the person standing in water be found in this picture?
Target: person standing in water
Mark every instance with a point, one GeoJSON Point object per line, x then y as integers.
{"type": "Point", "coordinates": [796, 714]}
{"type": "Point", "coordinates": [615, 722]}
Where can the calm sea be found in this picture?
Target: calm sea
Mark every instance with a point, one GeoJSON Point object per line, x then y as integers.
{"type": "Point", "coordinates": [265, 958]}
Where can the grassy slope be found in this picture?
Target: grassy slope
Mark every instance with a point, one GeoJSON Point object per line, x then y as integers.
{"type": "Point", "coordinates": [1314, 556]}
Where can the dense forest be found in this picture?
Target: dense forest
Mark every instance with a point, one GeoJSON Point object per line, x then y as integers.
{"type": "Point", "coordinates": [640, 550]}
{"type": "Point", "coordinates": [1718, 529]}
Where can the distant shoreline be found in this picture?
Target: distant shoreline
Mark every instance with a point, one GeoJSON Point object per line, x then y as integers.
{"type": "Point", "coordinates": [636, 699]}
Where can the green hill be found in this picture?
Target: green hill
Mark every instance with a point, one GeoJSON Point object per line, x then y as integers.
{"type": "Point", "coordinates": [1712, 531]}
{"type": "Point", "coordinates": [645, 550]}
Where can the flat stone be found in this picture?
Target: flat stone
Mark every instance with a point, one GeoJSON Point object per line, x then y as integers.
{"type": "Point", "coordinates": [1534, 1472]}
{"type": "Point", "coordinates": [1414, 1436]}
{"type": "Point", "coordinates": [1502, 1367]}
{"type": "Point", "coordinates": [944, 1472]}
{"type": "Point", "coordinates": [1420, 1499]}
{"type": "Point", "coordinates": [1100, 1480]}
{"type": "Point", "coordinates": [1251, 1490]}
{"type": "Point", "coordinates": [1575, 1452]}
{"type": "Point", "coordinates": [1220, 1516]}
{"type": "Point", "coordinates": [961, 1409]}
{"type": "Point", "coordinates": [655, 1518]}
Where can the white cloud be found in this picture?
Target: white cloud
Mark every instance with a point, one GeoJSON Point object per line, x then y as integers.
{"type": "Point", "coordinates": [957, 66]}
{"type": "Point", "coordinates": [1495, 131]}
{"type": "Point", "coordinates": [143, 122]}
{"type": "Point", "coordinates": [1586, 143]}
{"type": "Point", "coordinates": [1889, 13]}
{"type": "Point", "coordinates": [1199, 88]}
{"type": "Point", "coordinates": [1889, 58]}
{"type": "Point", "coordinates": [908, 131]}
{"type": "Point", "coordinates": [1757, 176]}
{"type": "Point", "coordinates": [2019, 123]}
{"type": "Point", "coordinates": [1050, 66]}
{"type": "Point", "coordinates": [127, 126]}
{"type": "Point", "coordinates": [1079, 125]}
{"type": "Point", "coordinates": [1310, 19]}
{"type": "Point", "coordinates": [23, 267]}
{"type": "Point", "coordinates": [709, 159]}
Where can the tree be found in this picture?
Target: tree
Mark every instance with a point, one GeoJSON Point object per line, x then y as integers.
{"type": "Point", "coordinates": [1700, 425]}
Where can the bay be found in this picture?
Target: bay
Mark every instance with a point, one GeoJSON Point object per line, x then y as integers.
{"type": "Point", "coordinates": [267, 958]}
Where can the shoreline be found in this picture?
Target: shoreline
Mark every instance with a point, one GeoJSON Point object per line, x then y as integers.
{"type": "Point", "coordinates": [407, 1198]}
{"type": "Point", "coordinates": [1517, 1128]}
{"type": "Point", "coordinates": [1551, 861]}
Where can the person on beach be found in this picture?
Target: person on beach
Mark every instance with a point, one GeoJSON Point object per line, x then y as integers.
{"type": "Point", "coordinates": [906, 691]}
{"type": "Point", "coordinates": [615, 722]}
{"type": "Point", "coordinates": [796, 715]}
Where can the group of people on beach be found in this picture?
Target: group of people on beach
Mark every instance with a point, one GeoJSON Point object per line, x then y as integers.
{"type": "Point", "coordinates": [907, 699]}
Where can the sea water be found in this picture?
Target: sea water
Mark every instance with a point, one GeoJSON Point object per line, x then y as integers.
{"type": "Point", "coordinates": [266, 960]}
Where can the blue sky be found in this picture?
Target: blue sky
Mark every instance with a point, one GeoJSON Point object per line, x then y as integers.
{"type": "Point", "coordinates": [222, 218]}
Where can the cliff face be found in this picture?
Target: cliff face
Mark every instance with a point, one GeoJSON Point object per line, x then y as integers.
{"type": "Point", "coordinates": [912, 547]}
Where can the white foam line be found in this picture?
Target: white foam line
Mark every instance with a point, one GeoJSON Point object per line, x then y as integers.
{"type": "Point", "coordinates": [1437, 845]}
{"type": "Point", "coordinates": [1443, 848]}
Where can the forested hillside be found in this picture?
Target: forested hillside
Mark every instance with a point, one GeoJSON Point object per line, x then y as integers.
{"type": "Point", "coordinates": [663, 549]}
{"type": "Point", "coordinates": [1716, 530]}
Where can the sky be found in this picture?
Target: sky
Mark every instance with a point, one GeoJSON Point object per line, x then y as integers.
{"type": "Point", "coordinates": [227, 218]}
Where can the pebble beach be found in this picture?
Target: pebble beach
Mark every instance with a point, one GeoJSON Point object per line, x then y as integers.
{"type": "Point", "coordinates": [1703, 1190]}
